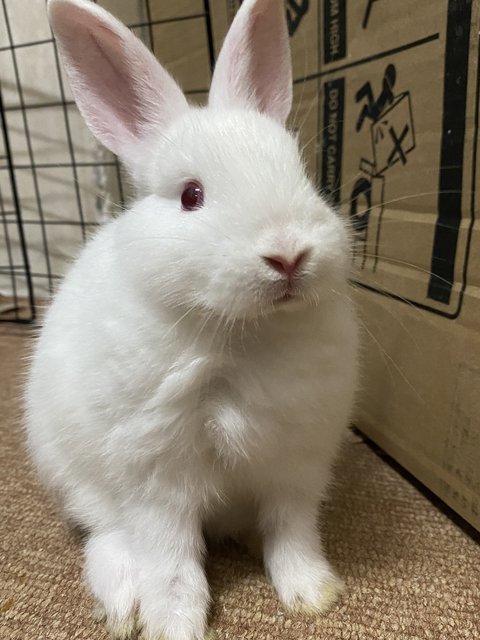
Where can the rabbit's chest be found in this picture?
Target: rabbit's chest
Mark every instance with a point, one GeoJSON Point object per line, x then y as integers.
{"type": "Point", "coordinates": [258, 412]}
{"type": "Point", "coordinates": [253, 402]}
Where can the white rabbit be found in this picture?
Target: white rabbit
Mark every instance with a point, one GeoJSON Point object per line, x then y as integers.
{"type": "Point", "coordinates": [197, 367]}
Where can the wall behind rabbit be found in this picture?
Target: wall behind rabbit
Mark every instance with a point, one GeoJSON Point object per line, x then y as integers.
{"type": "Point", "coordinates": [386, 105]}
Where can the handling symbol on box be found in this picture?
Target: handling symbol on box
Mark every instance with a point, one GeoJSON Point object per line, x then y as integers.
{"type": "Point", "coordinates": [392, 131]}
{"type": "Point", "coordinates": [392, 139]}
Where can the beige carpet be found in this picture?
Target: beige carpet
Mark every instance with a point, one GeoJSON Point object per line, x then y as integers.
{"type": "Point", "coordinates": [410, 572]}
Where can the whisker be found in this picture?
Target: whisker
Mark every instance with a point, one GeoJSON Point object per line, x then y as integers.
{"type": "Point", "coordinates": [416, 309]}
{"type": "Point", "coordinates": [395, 317]}
{"type": "Point", "coordinates": [207, 319]}
{"type": "Point", "coordinates": [407, 264]}
{"type": "Point", "coordinates": [182, 317]}
{"type": "Point", "coordinates": [416, 195]}
{"type": "Point", "coordinates": [396, 366]}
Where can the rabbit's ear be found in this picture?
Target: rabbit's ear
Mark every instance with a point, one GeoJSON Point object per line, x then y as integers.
{"type": "Point", "coordinates": [121, 90]}
{"type": "Point", "coordinates": [254, 69]}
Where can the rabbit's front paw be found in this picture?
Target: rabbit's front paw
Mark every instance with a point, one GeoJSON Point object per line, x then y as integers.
{"type": "Point", "coordinates": [119, 627]}
{"type": "Point", "coordinates": [110, 572]}
{"type": "Point", "coordinates": [310, 587]}
{"type": "Point", "coordinates": [176, 625]}
{"type": "Point", "coordinates": [175, 608]}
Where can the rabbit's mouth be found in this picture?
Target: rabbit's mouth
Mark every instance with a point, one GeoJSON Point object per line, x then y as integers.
{"type": "Point", "coordinates": [290, 294]}
{"type": "Point", "coordinates": [290, 301]}
{"type": "Point", "coordinates": [290, 289]}
{"type": "Point", "coordinates": [286, 297]}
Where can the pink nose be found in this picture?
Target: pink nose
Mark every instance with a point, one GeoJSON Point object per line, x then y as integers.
{"type": "Point", "coordinates": [284, 265]}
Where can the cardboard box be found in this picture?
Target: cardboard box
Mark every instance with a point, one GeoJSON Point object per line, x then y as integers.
{"type": "Point", "coordinates": [387, 102]}
{"type": "Point", "coordinates": [400, 91]}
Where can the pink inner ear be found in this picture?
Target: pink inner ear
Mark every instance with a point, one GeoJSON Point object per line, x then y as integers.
{"type": "Point", "coordinates": [254, 69]}
{"type": "Point", "coordinates": [112, 101]}
{"type": "Point", "coordinates": [272, 72]}
{"type": "Point", "coordinates": [120, 88]}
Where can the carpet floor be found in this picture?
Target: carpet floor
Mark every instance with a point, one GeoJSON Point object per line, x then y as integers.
{"type": "Point", "coordinates": [410, 571]}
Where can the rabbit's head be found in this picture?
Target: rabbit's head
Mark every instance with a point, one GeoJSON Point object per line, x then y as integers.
{"type": "Point", "coordinates": [227, 221]}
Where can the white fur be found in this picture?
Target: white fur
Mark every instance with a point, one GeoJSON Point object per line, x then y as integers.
{"type": "Point", "coordinates": [170, 393]}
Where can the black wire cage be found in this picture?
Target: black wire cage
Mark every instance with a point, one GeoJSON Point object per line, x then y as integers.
{"type": "Point", "coordinates": [13, 306]}
{"type": "Point", "coordinates": [56, 183]}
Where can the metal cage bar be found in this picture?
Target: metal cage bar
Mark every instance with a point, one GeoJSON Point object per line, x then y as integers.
{"type": "Point", "coordinates": [13, 307]}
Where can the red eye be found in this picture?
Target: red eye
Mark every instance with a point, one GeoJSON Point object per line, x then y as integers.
{"type": "Point", "coordinates": [192, 196]}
